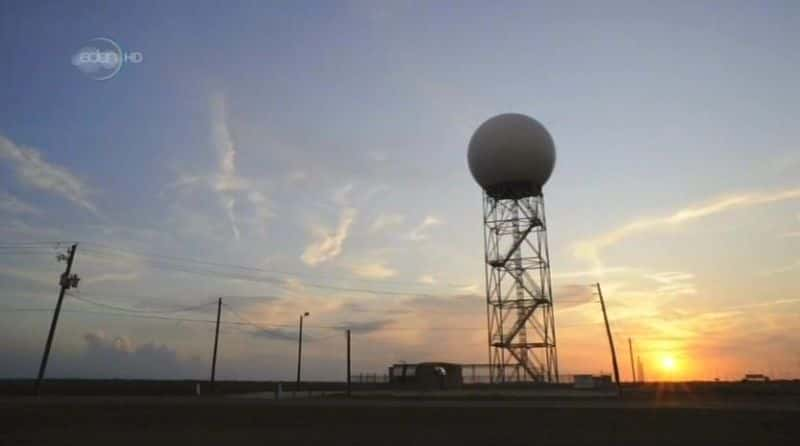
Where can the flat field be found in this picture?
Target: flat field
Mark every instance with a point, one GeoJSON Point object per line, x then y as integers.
{"type": "Point", "coordinates": [218, 420]}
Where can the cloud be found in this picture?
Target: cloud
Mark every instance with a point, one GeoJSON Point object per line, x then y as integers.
{"type": "Point", "coordinates": [427, 279]}
{"type": "Point", "coordinates": [378, 155]}
{"type": "Point", "coordinates": [283, 334]}
{"type": "Point", "coordinates": [420, 231]}
{"type": "Point", "coordinates": [111, 277]}
{"type": "Point", "coordinates": [328, 244]}
{"type": "Point", "coordinates": [670, 277]}
{"type": "Point", "coordinates": [366, 327]}
{"type": "Point", "coordinates": [342, 195]}
{"type": "Point", "coordinates": [374, 271]}
{"type": "Point", "coordinates": [791, 234]}
{"type": "Point", "coordinates": [383, 221]}
{"type": "Point", "coordinates": [239, 197]}
{"type": "Point", "coordinates": [296, 176]}
{"type": "Point", "coordinates": [674, 283]}
{"type": "Point", "coordinates": [595, 272]}
{"type": "Point", "coordinates": [38, 277]}
{"type": "Point", "coordinates": [590, 249]}
{"type": "Point", "coordinates": [280, 334]}
{"type": "Point", "coordinates": [120, 357]}
{"type": "Point", "coordinates": [787, 163]}
{"type": "Point", "coordinates": [34, 171]}
{"type": "Point", "coordinates": [573, 295]}
{"type": "Point", "coordinates": [783, 269]}
{"type": "Point", "coordinates": [12, 205]}
{"type": "Point", "coordinates": [227, 182]}
{"type": "Point", "coordinates": [470, 288]}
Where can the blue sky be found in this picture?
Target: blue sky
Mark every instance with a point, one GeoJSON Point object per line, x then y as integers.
{"type": "Point", "coordinates": [328, 140]}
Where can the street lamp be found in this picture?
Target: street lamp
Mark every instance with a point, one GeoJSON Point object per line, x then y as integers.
{"type": "Point", "coordinates": [300, 349]}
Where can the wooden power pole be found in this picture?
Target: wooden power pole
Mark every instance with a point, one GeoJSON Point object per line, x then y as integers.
{"type": "Point", "coordinates": [633, 369]}
{"type": "Point", "coordinates": [67, 281]}
{"type": "Point", "coordinates": [348, 362]}
{"type": "Point", "coordinates": [610, 340]}
{"type": "Point", "coordinates": [216, 344]}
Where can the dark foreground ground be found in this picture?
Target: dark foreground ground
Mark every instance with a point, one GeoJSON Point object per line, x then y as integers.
{"type": "Point", "coordinates": [220, 420]}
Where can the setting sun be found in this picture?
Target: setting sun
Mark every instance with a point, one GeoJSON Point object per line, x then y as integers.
{"type": "Point", "coordinates": [668, 363]}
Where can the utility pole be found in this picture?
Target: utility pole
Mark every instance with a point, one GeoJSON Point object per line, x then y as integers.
{"type": "Point", "coordinates": [633, 370]}
{"type": "Point", "coordinates": [348, 363]}
{"type": "Point", "coordinates": [67, 281]}
{"type": "Point", "coordinates": [300, 350]}
{"type": "Point", "coordinates": [641, 368]}
{"type": "Point", "coordinates": [216, 344]}
{"type": "Point", "coordinates": [610, 340]}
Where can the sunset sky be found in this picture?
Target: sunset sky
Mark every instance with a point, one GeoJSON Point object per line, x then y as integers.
{"type": "Point", "coordinates": [313, 154]}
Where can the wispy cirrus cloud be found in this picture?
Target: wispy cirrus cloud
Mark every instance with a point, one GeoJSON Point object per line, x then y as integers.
{"type": "Point", "coordinates": [420, 232]}
{"type": "Point", "coordinates": [112, 277]}
{"type": "Point", "coordinates": [366, 327]}
{"type": "Point", "coordinates": [33, 170]}
{"type": "Point", "coordinates": [427, 279]}
{"type": "Point", "coordinates": [280, 334]}
{"type": "Point", "coordinates": [12, 205]}
{"type": "Point", "coordinates": [240, 197]}
{"type": "Point", "coordinates": [791, 234]}
{"type": "Point", "coordinates": [594, 273]}
{"type": "Point", "coordinates": [227, 182]}
{"type": "Point", "coordinates": [674, 283]}
{"type": "Point", "coordinates": [782, 269]}
{"type": "Point", "coordinates": [326, 243]}
{"type": "Point", "coordinates": [590, 249]}
{"type": "Point", "coordinates": [383, 221]}
{"type": "Point", "coordinates": [29, 275]}
{"type": "Point", "coordinates": [374, 271]}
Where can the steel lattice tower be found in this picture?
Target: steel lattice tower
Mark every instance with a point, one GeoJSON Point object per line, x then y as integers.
{"type": "Point", "coordinates": [522, 337]}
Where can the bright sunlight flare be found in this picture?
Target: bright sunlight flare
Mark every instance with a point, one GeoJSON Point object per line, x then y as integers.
{"type": "Point", "coordinates": [668, 364]}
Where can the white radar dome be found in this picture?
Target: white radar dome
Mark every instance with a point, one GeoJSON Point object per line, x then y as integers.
{"type": "Point", "coordinates": [511, 156]}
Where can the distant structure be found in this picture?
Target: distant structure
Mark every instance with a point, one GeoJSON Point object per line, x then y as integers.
{"type": "Point", "coordinates": [755, 377]}
{"type": "Point", "coordinates": [429, 375]}
{"type": "Point", "coordinates": [511, 156]}
{"type": "Point", "coordinates": [592, 382]}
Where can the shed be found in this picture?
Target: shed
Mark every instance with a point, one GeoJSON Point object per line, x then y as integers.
{"type": "Point", "coordinates": [428, 375]}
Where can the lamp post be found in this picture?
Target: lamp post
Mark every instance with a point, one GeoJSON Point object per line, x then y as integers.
{"type": "Point", "coordinates": [300, 349]}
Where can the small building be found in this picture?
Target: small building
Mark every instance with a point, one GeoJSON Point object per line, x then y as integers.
{"type": "Point", "coordinates": [755, 377]}
{"type": "Point", "coordinates": [592, 381]}
{"type": "Point", "coordinates": [427, 375]}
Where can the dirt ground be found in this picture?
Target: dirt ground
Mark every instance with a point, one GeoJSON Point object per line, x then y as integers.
{"type": "Point", "coordinates": [225, 420]}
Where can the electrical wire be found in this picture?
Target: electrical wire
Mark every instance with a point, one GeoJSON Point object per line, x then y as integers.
{"type": "Point", "coordinates": [234, 266]}
{"type": "Point", "coordinates": [173, 263]}
{"type": "Point", "coordinates": [134, 310]}
{"type": "Point", "coordinates": [29, 243]}
{"type": "Point", "coordinates": [275, 281]}
{"type": "Point", "coordinates": [246, 322]}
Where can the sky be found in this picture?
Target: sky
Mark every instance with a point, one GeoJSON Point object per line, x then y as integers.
{"type": "Point", "coordinates": [311, 156]}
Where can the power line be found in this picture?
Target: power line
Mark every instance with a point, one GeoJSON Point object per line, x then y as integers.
{"type": "Point", "coordinates": [46, 242]}
{"type": "Point", "coordinates": [235, 266]}
{"type": "Point", "coordinates": [246, 322]}
{"type": "Point", "coordinates": [134, 310]}
{"type": "Point", "coordinates": [277, 282]}
{"type": "Point", "coordinates": [166, 262]}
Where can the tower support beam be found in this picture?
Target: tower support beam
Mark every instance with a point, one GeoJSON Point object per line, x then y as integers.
{"type": "Point", "coordinates": [522, 341]}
